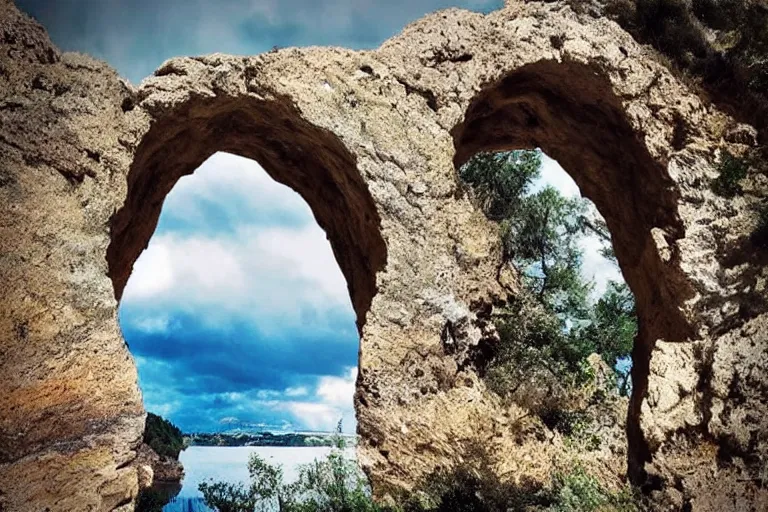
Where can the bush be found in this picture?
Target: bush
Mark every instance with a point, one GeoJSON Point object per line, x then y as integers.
{"type": "Point", "coordinates": [334, 484]}
{"type": "Point", "coordinates": [760, 234]}
{"type": "Point", "coordinates": [477, 488]}
{"type": "Point", "coordinates": [717, 45]}
{"type": "Point", "coordinates": [577, 491]}
{"type": "Point", "coordinates": [163, 437]}
{"type": "Point", "coordinates": [732, 170]}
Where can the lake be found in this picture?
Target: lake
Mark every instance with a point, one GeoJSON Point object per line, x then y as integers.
{"type": "Point", "coordinates": [230, 464]}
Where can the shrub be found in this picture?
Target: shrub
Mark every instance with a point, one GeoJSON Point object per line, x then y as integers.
{"type": "Point", "coordinates": [732, 170]}
{"type": "Point", "coordinates": [717, 45]}
{"type": "Point", "coordinates": [537, 363]}
{"type": "Point", "coordinates": [578, 491]}
{"type": "Point", "coordinates": [333, 484]}
{"type": "Point", "coordinates": [476, 488]}
{"type": "Point", "coordinates": [760, 233]}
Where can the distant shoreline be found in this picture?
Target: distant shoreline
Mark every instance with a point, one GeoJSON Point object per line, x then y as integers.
{"type": "Point", "coordinates": [289, 439]}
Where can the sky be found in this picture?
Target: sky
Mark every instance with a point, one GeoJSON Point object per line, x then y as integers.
{"type": "Point", "coordinates": [237, 313]}
{"type": "Point", "coordinates": [136, 36]}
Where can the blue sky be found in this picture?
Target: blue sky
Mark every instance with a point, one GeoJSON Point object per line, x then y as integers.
{"type": "Point", "coordinates": [237, 313]}
{"type": "Point", "coordinates": [238, 309]}
{"type": "Point", "coordinates": [136, 36]}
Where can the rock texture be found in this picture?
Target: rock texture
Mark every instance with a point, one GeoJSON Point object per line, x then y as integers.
{"type": "Point", "coordinates": [371, 140]}
{"type": "Point", "coordinates": [155, 468]}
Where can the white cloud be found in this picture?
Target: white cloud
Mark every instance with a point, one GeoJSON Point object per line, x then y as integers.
{"type": "Point", "coordinates": [334, 400]}
{"type": "Point", "coordinates": [596, 267]}
{"type": "Point", "coordinates": [308, 253]}
{"type": "Point", "coordinates": [337, 391]}
{"type": "Point", "coordinates": [152, 273]}
{"type": "Point", "coordinates": [297, 391]}
{"type": "Point", "coordinates": [312, 415]}
{"type": "Point", "coordinates": [152, 324]}
{"type": "Point", "coordinates": [224, 173]}
{"type": "Point", "coordinates": [554, 175]}
{"type": "Point", "coordinates": [280, 271]}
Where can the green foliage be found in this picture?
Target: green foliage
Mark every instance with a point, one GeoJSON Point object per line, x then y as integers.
{"type": "Point", "coordinates": [163, 437]}
{"type": "Point", "coordinates": [465, 489]}
{"type": "Point", "coordinates": [227, 497]}
{"type": "Point", "coordinates": [333, 484]}
{"type": "Point", "coordinates": [577, 491]}
{"type": "Point", "coordinates": [500, 179]}
{"type": "Point", "coordinates": [537, 360]}
{"type": "Point", "coordinates": [732, 171]}
{"type": "Point", "coordinates": [669, 26]}
{"type": "Point", "coordinates": [610, 328]}
{"type": "Point", "coordinates": [547, 333]}
{"type": "Point", "coordinates": [541, 237]}
{"type": "Point", "coordinates": [718, 45]}
{"type": "Point", "coordinates": [478, 488]}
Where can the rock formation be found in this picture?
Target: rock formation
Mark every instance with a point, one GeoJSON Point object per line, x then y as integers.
{"type": "Point", "coordinates": [371, 140]}
{"type": "Point", "coordinates": [158, 468]}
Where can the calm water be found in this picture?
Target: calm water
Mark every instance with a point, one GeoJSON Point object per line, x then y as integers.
{"type": "Point", "coordinates": [230, 464]}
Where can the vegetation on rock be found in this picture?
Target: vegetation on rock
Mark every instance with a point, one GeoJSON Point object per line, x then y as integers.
{"type": "Point", "coordinates": [547, 332]}
{"type": "Point", "coordinates": [336, 484]}
{"type": "Point", "coordinates": [732, 170]}
{"type": "Point", "coordinates": [163, 437]}
{"type": "Point", "coordinates": [718, 46]}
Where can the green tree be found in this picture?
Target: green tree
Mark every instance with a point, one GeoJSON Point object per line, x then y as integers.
{"type": "Point", "coordinates": [547, 332]}
{"type": "Point", "coordinates": [541, 238]}
{"type": "Point", "coordinates": [163, 437]}
{"type": "Point", "coordinates": [611, 328]}
{"type": "Point", "coordinates": [500, 179]}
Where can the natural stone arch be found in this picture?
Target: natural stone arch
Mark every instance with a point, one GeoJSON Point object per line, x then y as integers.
{"type": "Point", "coordinates": [80, 143]}
{"type": "Point", "coordinates": [310, 160]}
{"type": "Point", "coordinates": [571, 111]}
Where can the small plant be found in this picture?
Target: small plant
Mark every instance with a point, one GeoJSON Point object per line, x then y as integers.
{"type": "Point", "coordinates": [760, 233]}
{"type": "Point", "coordinates": [732, 170]}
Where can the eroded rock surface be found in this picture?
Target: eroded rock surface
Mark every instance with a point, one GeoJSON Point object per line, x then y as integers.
{"type": "Point", "coordinates": [371, 140]}
{"type": "Point", "coordinates": [157, 468]}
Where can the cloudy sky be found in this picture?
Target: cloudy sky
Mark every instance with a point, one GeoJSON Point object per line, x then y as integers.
{"type": "Point", "coordinates": [237, 313]}
{"type": "Point", "coordinates": [136, 36]}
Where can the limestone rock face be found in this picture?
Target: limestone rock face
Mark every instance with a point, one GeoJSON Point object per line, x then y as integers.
{"type": "Point", "coordinates": [371, 140]}
{"type": "Point", "coordinates": [158, 468]}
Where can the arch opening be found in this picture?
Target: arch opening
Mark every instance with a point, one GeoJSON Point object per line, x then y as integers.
{"type": "Point", "coordinates": [307, 159]}
{"type": "Point", "coordinates": [242, 330]}
{"type": "Point", "coordinates": [570, 111]}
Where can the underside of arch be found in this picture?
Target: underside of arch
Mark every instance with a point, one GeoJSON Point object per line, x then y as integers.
{"type": "Point", "coordinates": [310, 160]}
